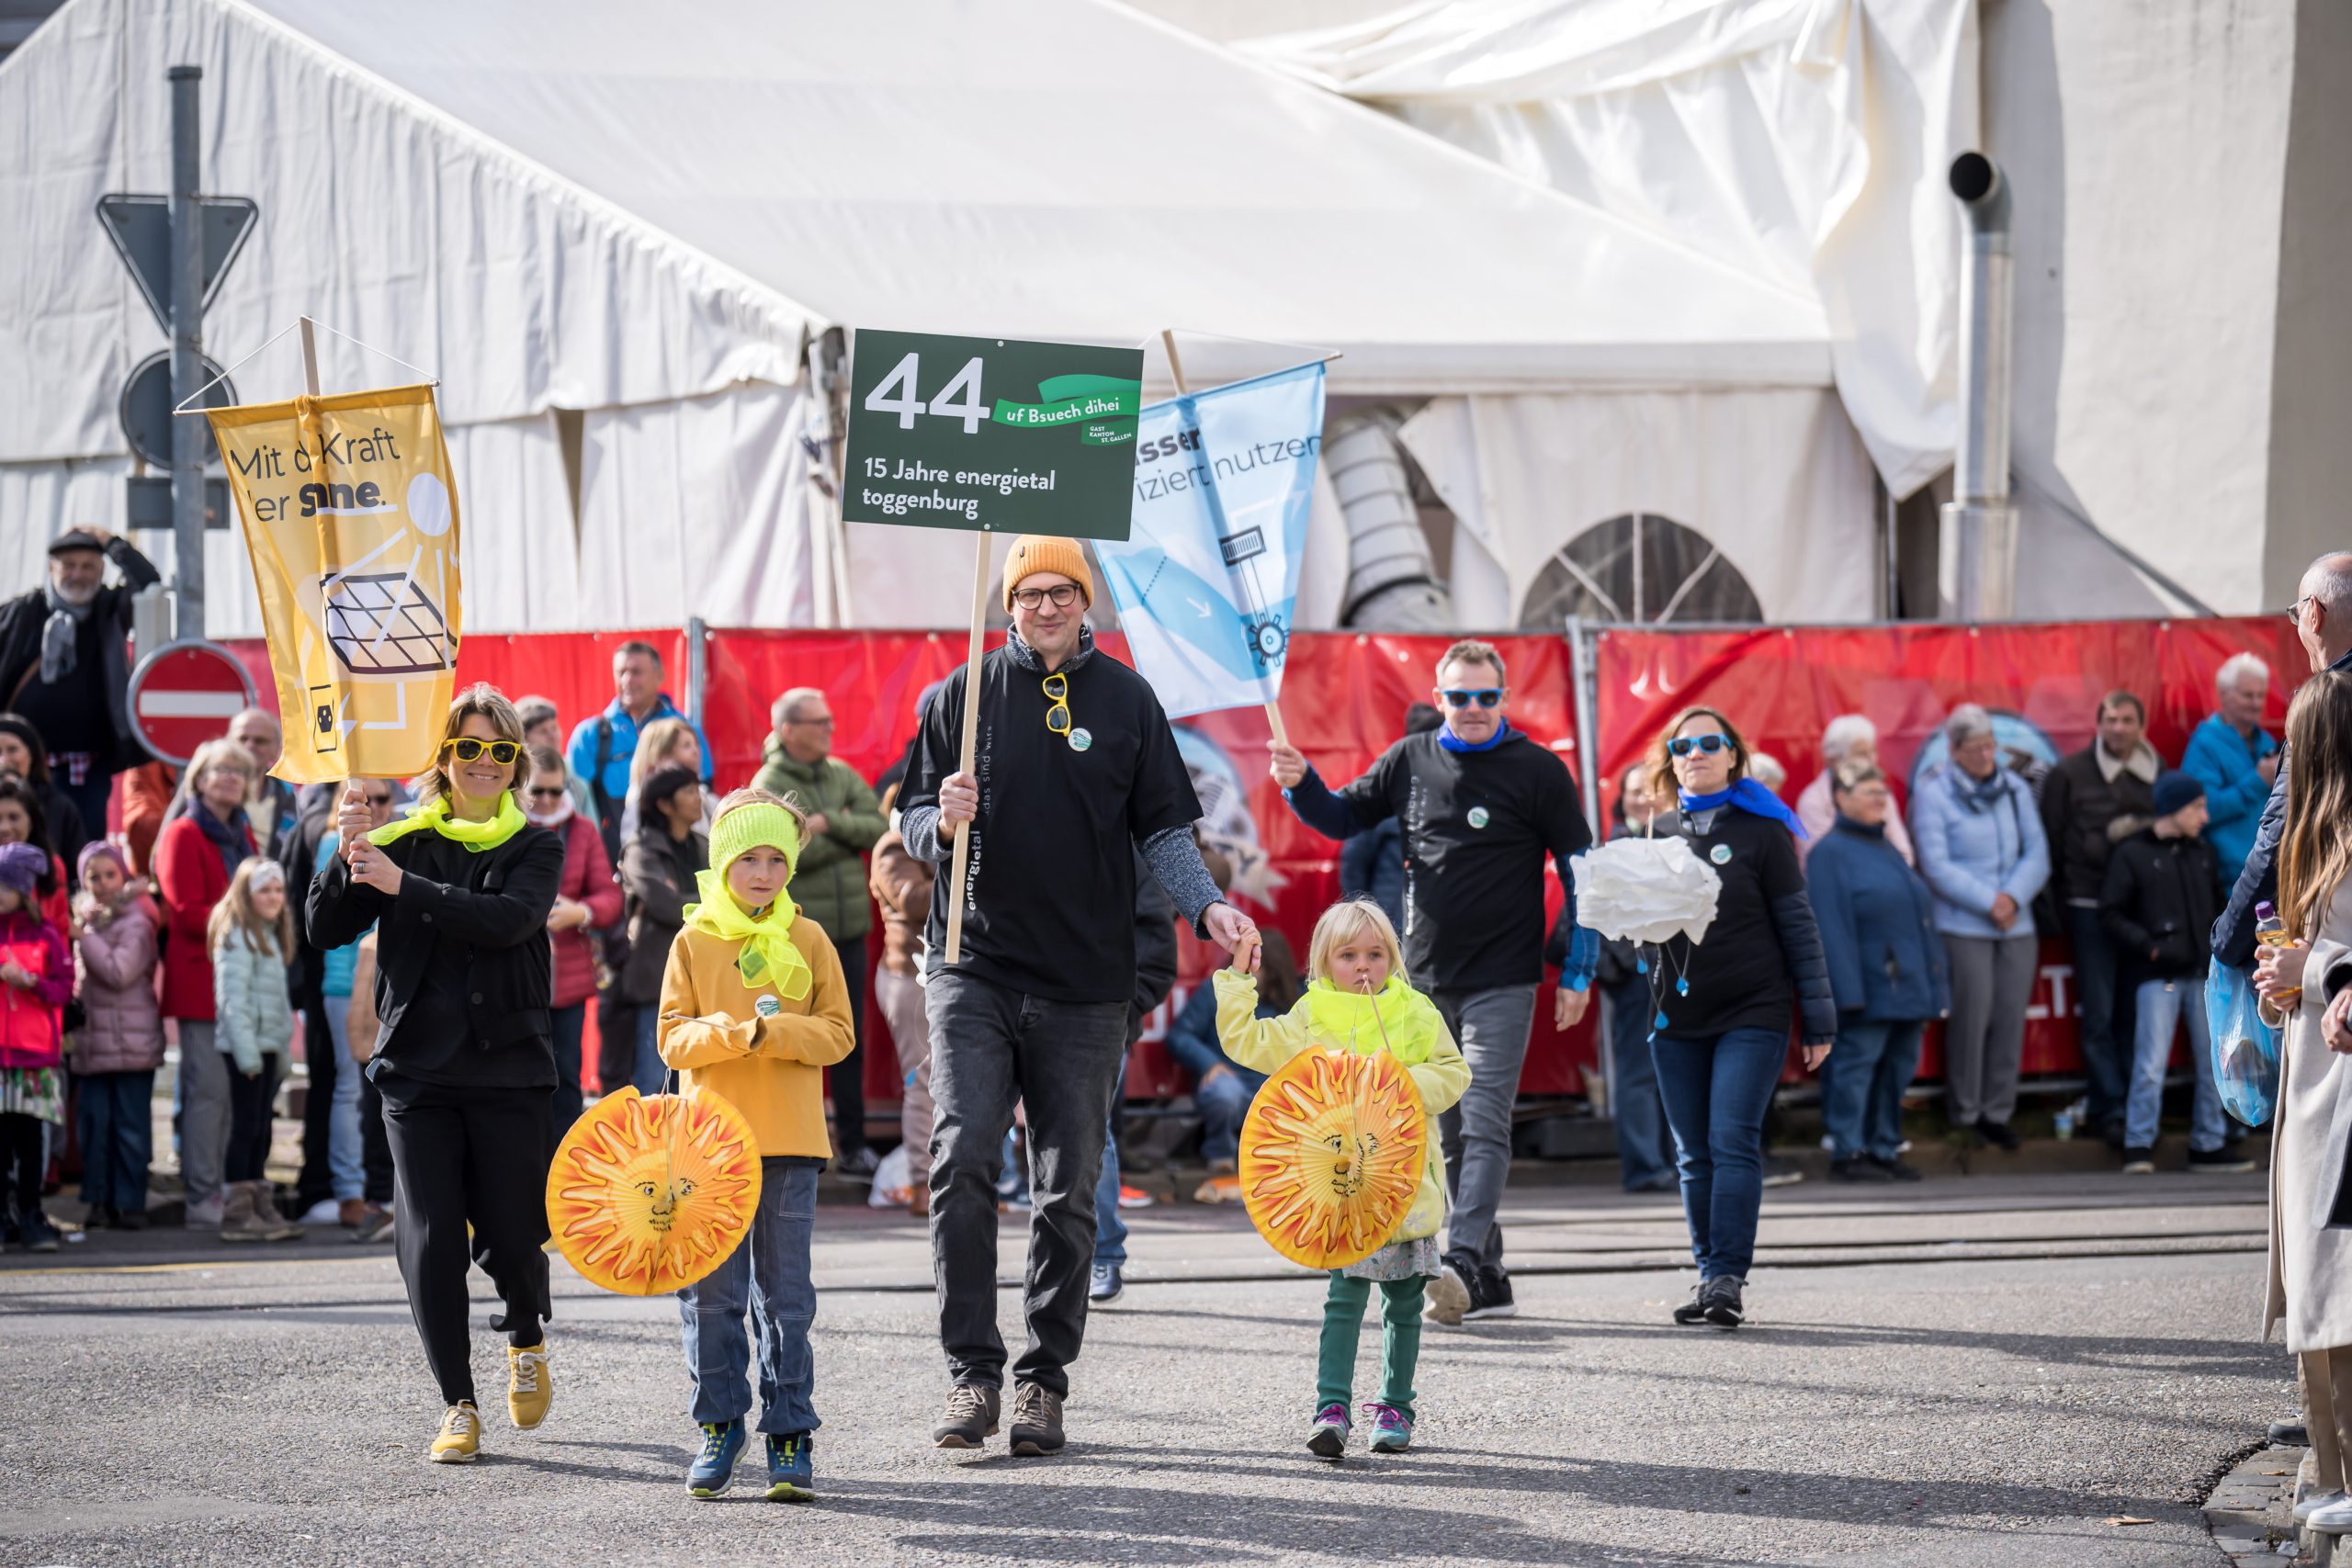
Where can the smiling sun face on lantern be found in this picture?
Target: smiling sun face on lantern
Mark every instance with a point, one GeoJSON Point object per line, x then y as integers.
{"type": "Point", "coordinates": [1331, 1155]}
{"type": "Point", "coordinates": [646, 1194]}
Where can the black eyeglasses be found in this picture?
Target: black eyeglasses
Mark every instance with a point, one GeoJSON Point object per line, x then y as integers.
{"type": "Point", "coordinates": [379, 800]}
{"type": "Point", "coordinates": [1057, 716]}
{"type": "Point", "coordinates": [1683, 745]}
{"type": "Point", "coordinates": [1063, 594]}
{"type": "Point", "coordinates": [555, 793]}
{"type": "Point", "coordinates": [469, 750]}
{"type": "Point", "coordinates": [1484, 696]}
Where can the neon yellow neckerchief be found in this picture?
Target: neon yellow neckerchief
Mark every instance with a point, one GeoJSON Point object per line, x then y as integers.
{"type": "Point", "coordinates": [1356, 1021]}
{"type": "Point", "coordinates": [477, 836]}
{"type": "Point", "coordinates": [768, 956]}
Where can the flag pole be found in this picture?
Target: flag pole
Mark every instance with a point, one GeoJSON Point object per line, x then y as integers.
{"type": "Point", "coordinates": [326, 553]}
{"type": "Point", "coordinates": [1176, 373]}
{"type": "Point", "coordinates": [971, 744]}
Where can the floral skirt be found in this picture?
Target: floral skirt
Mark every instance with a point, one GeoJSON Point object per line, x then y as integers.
{"type": "Point", "coordinates": [37, 1092]}
{"type": "Point", "coordinates": [1399, 1260]}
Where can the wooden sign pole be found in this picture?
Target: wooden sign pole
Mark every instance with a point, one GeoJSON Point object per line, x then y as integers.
{"type": "Point", "coordinates": [1176, 373]}
{"type": "Point", "coordinates": [971, 744]}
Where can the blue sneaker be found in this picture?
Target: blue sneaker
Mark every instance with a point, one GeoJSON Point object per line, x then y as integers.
{"type": "Point", "coordinates": [722, 1444]}
{"type": "Point", "coordinates": [791, 1478]}
{"type": "Point", "coordinates": [1107, 1285]}
{"type": "Point", "coordinates": [1330, 1438]}
{"type": "Point", "coordinates": [1392, 1430]}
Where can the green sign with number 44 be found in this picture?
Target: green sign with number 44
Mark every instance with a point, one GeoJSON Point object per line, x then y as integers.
{"type": "Point", "coordinates": [992, 432]}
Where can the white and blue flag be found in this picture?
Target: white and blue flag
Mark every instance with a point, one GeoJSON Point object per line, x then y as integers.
{"type": "Point", "coordinates": [1207, 577]}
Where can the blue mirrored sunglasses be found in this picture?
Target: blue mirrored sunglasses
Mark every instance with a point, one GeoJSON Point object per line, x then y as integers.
{"type": "Point", "coordinates": [1683, 745]}
{"type": "Point", "coordinates": [1485, 698]}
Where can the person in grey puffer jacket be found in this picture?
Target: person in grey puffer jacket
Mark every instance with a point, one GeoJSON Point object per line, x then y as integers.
{"type": "Point", "coordinates": [120, 1043]}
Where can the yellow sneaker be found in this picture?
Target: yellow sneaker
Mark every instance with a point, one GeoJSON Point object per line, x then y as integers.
{"type": "Point", "coordinates": [461, 1436]}
{"type": "Point", "coordinates": [529, 1387]}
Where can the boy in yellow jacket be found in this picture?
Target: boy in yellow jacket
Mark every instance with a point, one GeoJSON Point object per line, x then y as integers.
{"type": "Point", "coordinates": [754, 1007]}
{"type": "Point", "coordinates": [1358, 998]}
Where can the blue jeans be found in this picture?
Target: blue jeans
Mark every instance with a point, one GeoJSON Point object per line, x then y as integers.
{"type": "Point", "coordinates": [569, 1024]}
{"type": "Point", "coordinates": [118, 1130]}
{"type": "Point", "coordinates": [2162, 1004]}
{"type": "Point", "coordinates": [1716, 1092]}
{"type": "Point", "coordinates": [1223, 1101]}
{"type": "Point", "coordinates": [346, 1165]}
{"type": "Point", "coordinates": [1110, 1225]}
{"type": "Point", "coordinates": [1645, 1150]}
{"type": "Point", "coordinates": [769, 1273]}
{"type": "Point", "coordinates": [648, 1073]}
{"type": "Point", "coordinates": [1862, 1104]}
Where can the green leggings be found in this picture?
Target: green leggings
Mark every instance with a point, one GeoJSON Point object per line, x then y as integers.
{"type": "Point", "coordinates": [1400, 1344]}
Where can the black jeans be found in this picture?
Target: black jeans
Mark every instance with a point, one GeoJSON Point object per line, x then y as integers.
{"type": "Point", "coordinates": [2110, 1014]}
{"type": "Point", "coordinates": [251, 1102]}
{"type": "Point", "coordinates": [990, 1046]}
{"type": "Point", "coordinates": [616, 1038]}
{"type": "Point", "coordinates": [21, 1166]}
{"type": "Point", "coordinates": [569, 1024]}
{"type": "Point", "coordinates": [325, 1061]}
{"type": "Point", "coordinates": [475, 1156]}
{"type": "Point", "coordinates": [846, 1078]}
{"type": "Point", "coordinates": [375, 1145]}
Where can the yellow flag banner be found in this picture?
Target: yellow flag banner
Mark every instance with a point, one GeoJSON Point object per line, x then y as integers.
{"type": "Point", "coordinates": [351, 520]}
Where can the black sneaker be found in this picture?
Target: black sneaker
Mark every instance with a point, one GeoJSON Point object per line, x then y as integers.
{"type": "Point", "coordinates": [101, 1218]}
{"type": "Point", "coordinates": [1998, 1133]}
{"type": "Point", "coordinates": [40, 1236]}
{"type": "Point", "coordinates": [1781, 1172]}
{"type": "Point", "coordinates": [1721, 1302]}
{"type": "Point", "coordinates": [1897, 1170]}
{"type": "Point", "coordinates": [1490, 1295]}
{"type": "Point", "coordinates": [971, 1415]}
{"type": "Point", "coordinates": [2223, 1161]}
{"type": "Point", "coordinates": [1036, 1420]}
{"type": "Point", "coordinates": [2138, 1161]}
{"type": "Point", "coordinates": [1859, 1168]}
{"type": "Point", "coordinates": [1695, 1309]}
{"type": "Point", "coordinates": [2290, 1434]}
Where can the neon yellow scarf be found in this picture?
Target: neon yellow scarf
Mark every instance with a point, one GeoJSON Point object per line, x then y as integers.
{"type": "Point", "coordinates": [1399, 1020]}
{"type": "Point", "coordinates": [767, 956]}
{"type": "Point", "coordinates": [476, 836]}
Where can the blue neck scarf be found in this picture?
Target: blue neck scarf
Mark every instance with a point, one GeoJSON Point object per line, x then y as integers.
{"type": "Point", "coordinates": [1749, 797]}
{"type": "Point", "coordinates": [1452, 742]}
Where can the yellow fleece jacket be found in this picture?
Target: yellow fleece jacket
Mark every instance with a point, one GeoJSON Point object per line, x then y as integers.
{"type": "Point", "coordinates": [770, 1069]}
{"type": "Point", "coordinates": [1262, 1044]}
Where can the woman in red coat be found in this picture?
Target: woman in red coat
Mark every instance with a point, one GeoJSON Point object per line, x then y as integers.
{"type": "Point", "coordinates": [195, 854]}
{"type": "Point", "coordinates": [587, 901]}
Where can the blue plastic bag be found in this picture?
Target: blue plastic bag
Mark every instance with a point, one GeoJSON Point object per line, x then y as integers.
{"type": "Point", "coordinates": [2245, 1049]}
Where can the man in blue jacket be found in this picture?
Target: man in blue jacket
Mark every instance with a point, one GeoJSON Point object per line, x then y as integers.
{"type": "Point", "coordinates": [601, 747]}
{"type": "Point", "coordinates": [2236, 761]}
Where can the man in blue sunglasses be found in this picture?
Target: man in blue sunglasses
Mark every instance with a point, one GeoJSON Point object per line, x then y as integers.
{"type": "Point", "coordinates": [1481, 807]}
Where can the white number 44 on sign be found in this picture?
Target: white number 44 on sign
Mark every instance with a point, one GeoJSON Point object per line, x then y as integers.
{"type": "Point", "coordinates": [906, 404]}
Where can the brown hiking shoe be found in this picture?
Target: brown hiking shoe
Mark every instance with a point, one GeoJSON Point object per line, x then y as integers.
{"type": "Point", "coordinates": [971, 1415]}
{"type": "Point", "coordinates": [240, 1220]}
{"type": "Point", "coordinates": [1036, 1420]}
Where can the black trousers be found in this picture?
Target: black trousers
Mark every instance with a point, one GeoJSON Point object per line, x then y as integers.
{"type": "Point", "coordinates": [463, 1156]}
{"type": "Point", "coordinates": [375, 1147]}
{"type": "Point", "coordinates": [251, 1103]}
{"type": "Point", "coordinates": [616, 1038]}
{"type": "Point", "coordinates": [316, 1180]}
{"type": "Point", "coordinates": [21, 1167]}
{"type": "Point", "coordinates": [846, 1078]}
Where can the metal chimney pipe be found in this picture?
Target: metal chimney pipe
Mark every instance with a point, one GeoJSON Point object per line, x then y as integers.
{"type": "Point", "coordinates": [1980, 522]}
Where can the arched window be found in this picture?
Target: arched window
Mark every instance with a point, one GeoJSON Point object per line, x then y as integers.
{"type": "Point", "coordinates": [1639, 568]}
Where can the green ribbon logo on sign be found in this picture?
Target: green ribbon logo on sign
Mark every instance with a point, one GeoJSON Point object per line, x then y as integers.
{"type": "Point", "coordinates": [1069, 399]}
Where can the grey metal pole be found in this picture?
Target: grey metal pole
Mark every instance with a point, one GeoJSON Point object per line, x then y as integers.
{"type": "Point", "coordinates": [188, 350]}
{"type": "Point", "coordinates": [1584, 692]}
{"type": "Point", "coordinates": [1982, 511]}
{"type": "Point", "coordinates": [697, 666]}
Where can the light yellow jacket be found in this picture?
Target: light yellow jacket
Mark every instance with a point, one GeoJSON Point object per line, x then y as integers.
{"type": "Point", "coordinates": [1262, 1044]}
{"type": "Point", "coordinates": [770, 1069]}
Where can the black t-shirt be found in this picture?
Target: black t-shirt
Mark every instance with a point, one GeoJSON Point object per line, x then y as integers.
{"type": "Point", "coordinates": [72, 715]}
{"type": "Point", "coordinates": [1050, 907]}
{"type": "Point", "coordinates": [1478, 826]}
{"type": "Point", "coordinates": [1739, 973]}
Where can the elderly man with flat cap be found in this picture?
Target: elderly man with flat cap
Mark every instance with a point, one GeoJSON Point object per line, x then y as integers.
{"type": "Point", "coordinates": [64, 664]}
{"type": "Point", "coordinates": [1076, 763]}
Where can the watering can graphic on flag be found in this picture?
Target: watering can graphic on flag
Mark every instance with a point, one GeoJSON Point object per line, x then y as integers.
{"type": "Point", "coordinates": [351, 522]}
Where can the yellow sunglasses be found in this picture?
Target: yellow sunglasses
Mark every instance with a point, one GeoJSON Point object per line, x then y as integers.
{"type": "Point", "coordinates": [469, 750]}
{"type": "Point", "coordinates": [1057, 716]}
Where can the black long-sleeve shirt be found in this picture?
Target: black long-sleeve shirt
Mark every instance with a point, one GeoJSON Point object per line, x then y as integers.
{"type": "Point", "coordinates": [1762, 955]}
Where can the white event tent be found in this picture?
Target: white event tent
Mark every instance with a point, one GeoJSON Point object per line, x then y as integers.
{"type": "Point", "coordinates": [616, 232]}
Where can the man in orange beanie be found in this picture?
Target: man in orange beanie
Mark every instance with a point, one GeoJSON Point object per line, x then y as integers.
{"type": "Point", "coordinates": [1076, 764]}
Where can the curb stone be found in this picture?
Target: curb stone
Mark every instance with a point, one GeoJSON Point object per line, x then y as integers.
{"type": "Point", "coordinates": [2251, 1512]}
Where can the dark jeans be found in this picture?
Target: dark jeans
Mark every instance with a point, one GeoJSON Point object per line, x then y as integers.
{"type": "Point", "coordinates": [768, 1273]}
{"type": "Point", "coordinates": [989, 1047]}
{"type": "Point", "coordinates": [117, 1124]}
{"type": "Point", "coordinates": [89, 797]}
{"type": "Point", "coordinates": [1644, 1148]}
{"type": "Point", "coordinates": [327, 1063]}
{"type": "Point", "coordinates": [615, 1039]}
{"type": "Point", "coordinates": [21, 1167]}
{"type": "Point", "coordinates": [2109, 1016]}
{"type": "Point", "coordinates": [251, 1103]}
{"type": "Point", "coordinates": [478, 1158]}
{"type": "Point", "coordinates": [1862, 1103]}
{"type": "Point", "coordinates": [375, 1143]}
{"type": "Point", "coordinates": [846, 1078]}
{"type": "Point", "coordinates": [569, 1024]}
{"type": "Point", "coordinates": [1716, 1094]}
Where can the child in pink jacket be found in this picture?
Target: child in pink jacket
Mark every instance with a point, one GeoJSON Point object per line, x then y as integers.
{"type": "Point", "coordinates": [120, 1043]}
{"type": "Point", "coordinates": [36, 982]}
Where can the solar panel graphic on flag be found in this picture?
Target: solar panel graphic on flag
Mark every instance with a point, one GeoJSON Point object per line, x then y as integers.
{"type": "Point", "coordinates": [385, 624]}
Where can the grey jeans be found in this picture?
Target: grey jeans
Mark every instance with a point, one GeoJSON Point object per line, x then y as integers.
{"type": "Point", "coordinates": [1992, 981]}
{"type": "Point", "coordinates": [204, 1110]}
{"type": "Point", "coordinates": [989, 1047]}
{"type": "Point", "coordinates": [1491, 1026]}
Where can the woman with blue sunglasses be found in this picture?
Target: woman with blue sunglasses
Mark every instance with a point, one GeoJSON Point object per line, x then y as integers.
{"type": "Point", "coordinates": [1720, 1025]}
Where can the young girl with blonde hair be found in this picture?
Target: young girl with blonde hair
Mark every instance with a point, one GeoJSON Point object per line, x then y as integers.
{"type": "Point", "coordinates": [1358, 998]}
{"type": "Point", "coordinates": [251, 935]}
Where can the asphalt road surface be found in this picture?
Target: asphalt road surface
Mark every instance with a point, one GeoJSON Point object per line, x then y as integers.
{"type": "Point", "coordinates": [1970, 1372]}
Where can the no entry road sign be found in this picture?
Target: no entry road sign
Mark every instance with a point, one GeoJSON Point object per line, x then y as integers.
{"type": "Point", "coordinates": [184, 695]}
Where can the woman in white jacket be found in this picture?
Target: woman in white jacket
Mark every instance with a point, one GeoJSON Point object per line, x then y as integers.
{"type": "Point", "coordinates": [252, 935]}
{"type": "Point", "coordinates": [2310, 1284]}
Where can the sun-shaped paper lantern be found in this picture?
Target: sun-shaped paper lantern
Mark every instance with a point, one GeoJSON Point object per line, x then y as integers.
{"type": "Point", "coordinates": [1332, 1152]}
{"type": "Point", "coordinates": [648, 1194]}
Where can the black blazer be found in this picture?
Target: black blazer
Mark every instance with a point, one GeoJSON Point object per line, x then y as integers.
{"type": "Point", "coordinates": [495, 902]}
